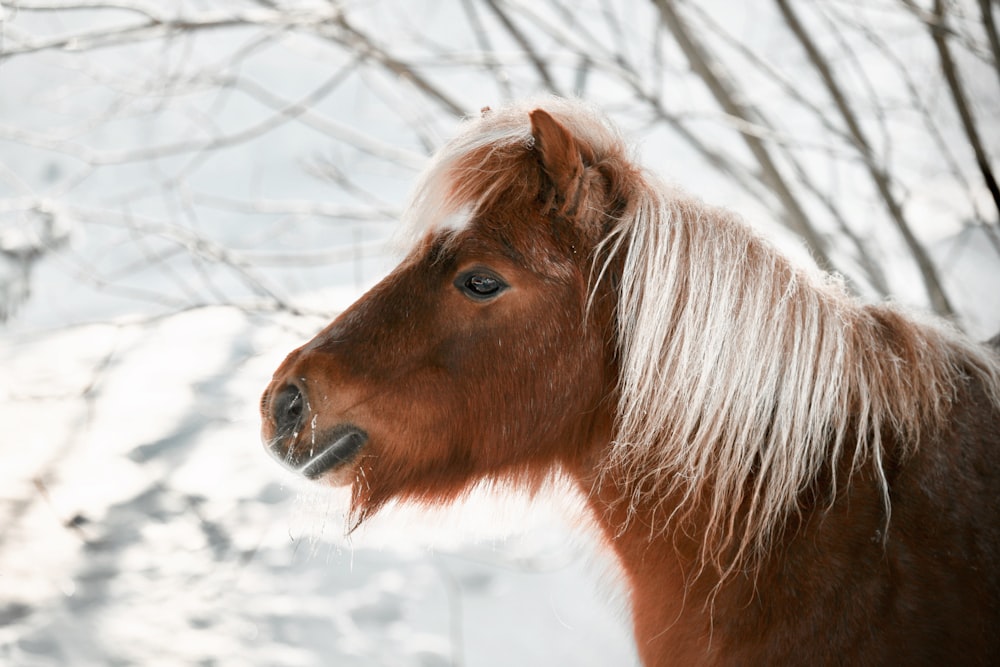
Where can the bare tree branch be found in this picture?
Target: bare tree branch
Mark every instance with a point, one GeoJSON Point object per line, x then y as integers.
{"type": "Point", "coordinates": [938, 28]}
{"type": "Point", "coordinates": [492, 63]}
{"type": "Point", "coordinates": [720, 85]}
{"type": "Point", "coordinates": [363, 45]}
{"type": "Point", "coordinates": [867, 263]}
{"type": "Point", "coordinates": [539, 63]}
{"type": "Point", "coordinates": [209, 106]}
{"type": "Point", "coordinates": [157, 27]}
{"type": "Point", "coordinates": [990, 26]}
{"type": "Point", "coordinates": [932, 283]}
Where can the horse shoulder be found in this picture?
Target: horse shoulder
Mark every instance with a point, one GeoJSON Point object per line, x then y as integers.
{"type": "Point", "coordinates": [927, 592]}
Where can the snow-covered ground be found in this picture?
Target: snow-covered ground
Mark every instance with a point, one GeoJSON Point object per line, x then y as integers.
{"type": "Point", "coordinates": [143, 524]}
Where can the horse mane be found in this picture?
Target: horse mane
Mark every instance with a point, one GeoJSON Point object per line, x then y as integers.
{"type": "Point", "coordinates": [743, 378]}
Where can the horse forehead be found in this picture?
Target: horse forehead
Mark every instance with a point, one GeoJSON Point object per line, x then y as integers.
{"type": "Point", "coordinates": [520, 237]}
{"type": "Point", "coordinates": [456, 221]}
{"type": "Point", "coordinates": [502, 220]}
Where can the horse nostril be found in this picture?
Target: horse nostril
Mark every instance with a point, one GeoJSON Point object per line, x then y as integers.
{"type": "Point", "coordinates": [287, 409]}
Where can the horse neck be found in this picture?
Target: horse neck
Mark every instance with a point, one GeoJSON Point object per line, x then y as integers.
{"type": "Point", "coordinates": [680, 600]}
{"type": "Point", "coordinates": [669, 593]}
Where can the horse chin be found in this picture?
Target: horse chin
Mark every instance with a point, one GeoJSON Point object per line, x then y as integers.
{"type": "Point", "coordinates": [339, 478]}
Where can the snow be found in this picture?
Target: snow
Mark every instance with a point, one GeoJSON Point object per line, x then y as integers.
{"type": "Point", "coordinates": [144, 524]}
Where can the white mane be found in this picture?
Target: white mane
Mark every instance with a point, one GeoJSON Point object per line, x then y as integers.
{"type": "Point", "coordinates": [742, 378]}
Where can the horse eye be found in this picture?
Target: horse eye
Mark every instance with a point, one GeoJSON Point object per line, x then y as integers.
{"type": "Point", "coordinates": [480, 285]}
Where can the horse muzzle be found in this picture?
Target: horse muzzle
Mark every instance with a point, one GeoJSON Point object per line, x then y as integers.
{"type": "Point", "coordinates": [291, 435]}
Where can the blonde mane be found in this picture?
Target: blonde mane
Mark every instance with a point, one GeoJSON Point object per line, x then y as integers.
{"type": "Point", "coordinates": [743, 378]}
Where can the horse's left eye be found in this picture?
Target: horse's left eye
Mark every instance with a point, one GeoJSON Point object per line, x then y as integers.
{"type": "Point", "coordinates": [480, 285]}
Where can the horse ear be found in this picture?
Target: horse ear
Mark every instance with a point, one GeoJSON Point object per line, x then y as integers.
{"type": "Point", "coordinates": [561, 156]}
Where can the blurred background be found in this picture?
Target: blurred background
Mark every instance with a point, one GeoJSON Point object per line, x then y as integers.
{"type": "Point", "coordinates": [189, 189]}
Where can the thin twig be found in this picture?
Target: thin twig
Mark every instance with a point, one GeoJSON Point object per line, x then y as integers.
{"type": "Point", "coordinates": [718, 82]}
{"type": "Point", "coordinates": [932, 282]}
{"type": "Point", "coordinates": [362, 44]}
{"type": "Point", "coordinates": [938, 29]}
{"type": "Point", "coordinates": [990, 26]}
{"type": "Point", "coordinates": [492, 63]}
{"type": "Point", "coordinates": [612, 64]}
{"type": "Point", "coordinates": [518, 36]}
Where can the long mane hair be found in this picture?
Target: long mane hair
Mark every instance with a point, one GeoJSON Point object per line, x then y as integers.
{"type": "Point", "coordinates": [743, 378]}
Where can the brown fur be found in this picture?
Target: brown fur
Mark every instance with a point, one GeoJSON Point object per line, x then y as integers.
{"type": "Point", "coordinates": [885, 547]}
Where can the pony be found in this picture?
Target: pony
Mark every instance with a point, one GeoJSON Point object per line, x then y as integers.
{"type": "Point", "coordinates": [784, 473]}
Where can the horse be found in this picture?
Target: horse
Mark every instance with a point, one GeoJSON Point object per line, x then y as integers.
{"type": "Point", "coordinates": [783, 472]}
